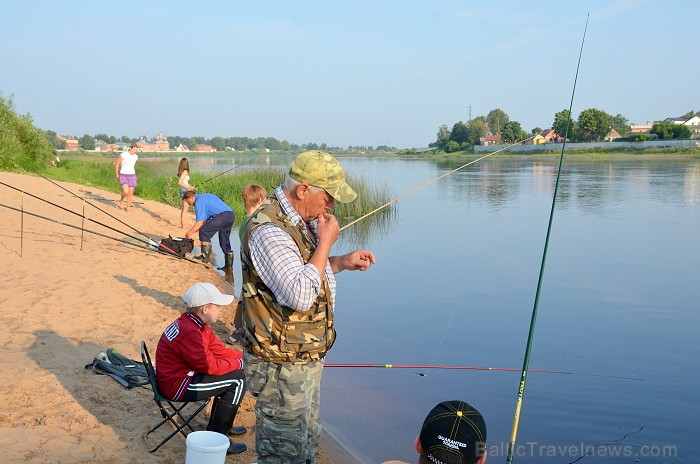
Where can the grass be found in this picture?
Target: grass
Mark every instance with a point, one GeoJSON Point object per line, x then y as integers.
{"type": "Point", "coordinates": [157, 181]}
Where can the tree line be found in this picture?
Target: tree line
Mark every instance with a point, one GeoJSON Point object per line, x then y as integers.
{"type": "Point", "coordinates": [89, 142]}
{"type": "Point", "coordinates": [592, 125]}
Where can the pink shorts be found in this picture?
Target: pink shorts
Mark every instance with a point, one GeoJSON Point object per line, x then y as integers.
{"type": "Point", "coordinates": [128, 179]}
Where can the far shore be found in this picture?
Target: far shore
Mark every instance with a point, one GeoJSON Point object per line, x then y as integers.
{"type": "Point", "coordinates": [593, 154]}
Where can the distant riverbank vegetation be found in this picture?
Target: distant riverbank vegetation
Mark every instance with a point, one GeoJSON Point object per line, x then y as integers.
{"type": "Point", "coordinates": [89, 143]}
{"type": "Point", "coordinates": [593, 125]}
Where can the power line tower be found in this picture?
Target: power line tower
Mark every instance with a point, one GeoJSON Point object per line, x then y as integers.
{"type": "Point", "coordinates": [470, 113]}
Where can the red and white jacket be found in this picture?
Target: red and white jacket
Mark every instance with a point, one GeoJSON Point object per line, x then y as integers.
{"type": "Point", "coordinates": [187, 347]}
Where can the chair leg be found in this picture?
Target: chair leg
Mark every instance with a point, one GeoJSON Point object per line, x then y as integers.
{"type": "Point", "coordinates": [171, 417]}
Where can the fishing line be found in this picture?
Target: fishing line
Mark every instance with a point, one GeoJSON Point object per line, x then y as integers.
{"type": "Point", "coordinates": [433, 181]}
{"type": "Point", "coordinates": [449, 323]}
{"type": "Point", "coordinates": [237, 166]}
{"type": "Point", "coordinates": [533, 320]}
{"type": "Point", "coordinates": [78, 196]}
{"type": "Point", "coordinates": [86, 230]}
{"type": "Point", "coordinates": [73, 212]}
{"type": "Point", "coordinates": [150, 242]}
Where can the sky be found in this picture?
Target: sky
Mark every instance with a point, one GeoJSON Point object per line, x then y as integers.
{"type": "Point", "coordinates": [344, 73]}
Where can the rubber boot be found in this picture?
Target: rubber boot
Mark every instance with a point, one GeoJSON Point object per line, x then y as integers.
{"type": "Point", "coordinates": [221, 419]}
{"type": "Point", "coordinates": [228, 261]}
{"type": "Point", "coordinates": [206, 252]}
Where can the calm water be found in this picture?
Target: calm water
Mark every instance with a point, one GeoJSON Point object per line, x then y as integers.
{"type": "Point", "coordinates": [455, 284]}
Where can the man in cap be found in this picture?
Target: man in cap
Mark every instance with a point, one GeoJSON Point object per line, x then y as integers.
{"type": "Point", "coordinates": [454, 432]}
{"type": "Point", "coordinates": [193, 364]}
{"type": "Point", "coordinates": [288, 299]}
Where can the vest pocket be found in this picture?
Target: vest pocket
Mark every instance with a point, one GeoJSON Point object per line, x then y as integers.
{"type": "Point", "coordinates": [304, 337]}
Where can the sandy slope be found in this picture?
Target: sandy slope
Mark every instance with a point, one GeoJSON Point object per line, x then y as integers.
{"type": "Point", "coordinates": [61, 306]}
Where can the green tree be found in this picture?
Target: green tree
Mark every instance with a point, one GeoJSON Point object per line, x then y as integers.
{"type": "Point", "coordinates": [87, 142]}
{"type": "Point", "coordinates": [53, 139]}
{"type": "Point", "coordinates": [452, 146]}
{"type": "Point", "coordinates": [459, 133]}
{"type": "Point", "coordinates": [663, 130]}
{"type": "Point", "coordinates": [496, 119]}
{"type": "Point", "coordinates": [536, 130]}
{"type": "Point", "coordinates": [443, 136]}
{"type": "Point", "coordinates": [669, 131]}
{"type": "Point", "coordinates": [477, 129]}
{"type": "Point", "coordinates": [621, 124]}
{"type": "Point", "coordinates": [511, 132]}
{"type": "Point", "coordinates": [594, 124]}
{"type": "Point", "coordinates": [681, 131]}
{"type": "Point", "coordinates": [219, 143]}
{"type": "Point", "coordinates": [106, 138]}
{"type": "Point", "coordinates": [563, 123]}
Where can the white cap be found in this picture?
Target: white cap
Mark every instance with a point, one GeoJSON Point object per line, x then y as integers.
{"type": "Point", "coordinates": [204, 293]}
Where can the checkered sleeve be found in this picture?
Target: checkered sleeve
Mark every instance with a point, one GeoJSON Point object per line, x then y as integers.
{"type": "Point", "coordinates": [278, 261]}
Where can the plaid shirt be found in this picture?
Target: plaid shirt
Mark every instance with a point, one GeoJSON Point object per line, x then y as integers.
{"type": "Point", "coordinates": [278, 262]}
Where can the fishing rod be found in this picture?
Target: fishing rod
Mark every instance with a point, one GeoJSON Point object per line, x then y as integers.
{"type": "Point", "coordinates": [533, 319]}
{"type": "Point", "coordinates": [78, 196]}
{"type": "Point", "coordinates": [235, 167]}
{"type": "Point", "coordinates": [72, 212]}
{"type": "Point", "coordinates": [433, 181]}
{"type": "Point", "coordinates": [150, 242]}
{"type": "Point", "coordinates": [86, 230]}
{"type": "Point", "coordinates": [473, 368]}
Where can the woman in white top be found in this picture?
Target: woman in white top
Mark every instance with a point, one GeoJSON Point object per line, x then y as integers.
{"type": "Point", "coordinates": [126, 174]}
{"type": "Point", "coordinates": [183, 176]}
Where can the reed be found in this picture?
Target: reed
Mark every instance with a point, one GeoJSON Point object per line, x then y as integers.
{"type": "Point", "coordinates": [157, 181]}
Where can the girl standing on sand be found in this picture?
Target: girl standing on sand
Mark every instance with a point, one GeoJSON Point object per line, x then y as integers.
{"type": "Point", "coordinates": [126, 174]}
{"type": "Point", "coordinates": [183, 175]}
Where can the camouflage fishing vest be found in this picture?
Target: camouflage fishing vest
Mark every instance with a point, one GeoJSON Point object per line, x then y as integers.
{"type": "Point", "coordinates": [274, 332]}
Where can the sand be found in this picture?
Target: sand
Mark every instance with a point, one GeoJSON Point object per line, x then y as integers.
{"type": "Point", "coordinates": [61, 306]}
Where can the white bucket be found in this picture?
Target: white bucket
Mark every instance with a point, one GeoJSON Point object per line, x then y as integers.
{"type": "Point", "coordinates": [204, 447]}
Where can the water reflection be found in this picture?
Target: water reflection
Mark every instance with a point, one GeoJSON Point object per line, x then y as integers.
{"type": "Point", "coordinates": [498, 181]}
{"type": "Point", "coordinates": [691, 184]}
{"type": "Point", "coordinates": [456, 283]}
{"type": "Point", "coordinates": [369, 230]}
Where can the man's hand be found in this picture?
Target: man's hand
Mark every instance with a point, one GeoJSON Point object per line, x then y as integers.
{"type": "Point", "coordinates": [327, 229]}
{"type": "Point", "coordinates": [194, 229]}
{"type": "Point", "coordinates": [358, 260]}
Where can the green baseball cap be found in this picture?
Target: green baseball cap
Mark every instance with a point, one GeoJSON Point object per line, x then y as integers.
{"type": "Point", "coordinates": [321, 170]}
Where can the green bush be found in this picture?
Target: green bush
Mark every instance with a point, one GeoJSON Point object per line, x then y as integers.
{"type": "Point", "coordinates": [21, 141]}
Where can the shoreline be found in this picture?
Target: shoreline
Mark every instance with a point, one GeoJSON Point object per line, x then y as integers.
{"type": "Point", "coordinates": [68, 296]}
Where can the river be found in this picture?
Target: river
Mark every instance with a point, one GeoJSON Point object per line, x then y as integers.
{"type": "Point", "coordinates": [454, 285]}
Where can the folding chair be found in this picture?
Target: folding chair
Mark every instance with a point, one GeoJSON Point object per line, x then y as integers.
{"type": "Point", "coordinates": [168, 409]}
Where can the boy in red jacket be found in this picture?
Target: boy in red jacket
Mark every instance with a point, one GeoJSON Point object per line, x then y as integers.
{"type": "Point", "coordinates": [192, 364]}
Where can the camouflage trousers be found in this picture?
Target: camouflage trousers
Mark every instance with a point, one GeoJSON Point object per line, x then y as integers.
{"type": "Point", "coordinates": [287, 410]}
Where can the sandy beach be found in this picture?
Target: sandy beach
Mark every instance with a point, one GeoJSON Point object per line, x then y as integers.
{"type": "Point", "coordinates": [61, 306]}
